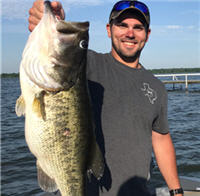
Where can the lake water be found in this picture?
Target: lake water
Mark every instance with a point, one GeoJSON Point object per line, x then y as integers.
{"type": "Point", "coordinates": [18, 173]}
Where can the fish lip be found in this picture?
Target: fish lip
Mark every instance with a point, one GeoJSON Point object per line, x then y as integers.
{"type": "Point", "coordinates": [47, 7]}
{"type": "Point", "coordinates": [48, 10]}
{"type": "Point", "coordinates": [63, 26]}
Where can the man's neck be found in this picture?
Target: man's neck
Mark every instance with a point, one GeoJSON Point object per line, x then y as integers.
{"type": "Point", "coordinates": [130, 63]}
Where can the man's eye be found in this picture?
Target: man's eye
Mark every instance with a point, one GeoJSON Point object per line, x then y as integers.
{"type": "Point", "coordinates": [121, 25]}
{"type": "Point", "coordinates": [139, 27]}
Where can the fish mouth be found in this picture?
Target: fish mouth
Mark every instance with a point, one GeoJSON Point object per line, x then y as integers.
{"type": "Point", "coordinates": [63, 26]}
{"type": "Point", "coordinates": [47, 7]}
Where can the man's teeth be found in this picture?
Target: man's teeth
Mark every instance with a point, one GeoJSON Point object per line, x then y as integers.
{"type": "Point", "coordinates": [129, 43]}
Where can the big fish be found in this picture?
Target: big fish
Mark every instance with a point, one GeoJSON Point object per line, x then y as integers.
{"type": "Point", "coordinates": [59, 129]}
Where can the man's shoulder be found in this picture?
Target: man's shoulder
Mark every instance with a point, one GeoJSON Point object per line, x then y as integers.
{"type": "Point", "coordinates": [92, 55]}
{"type": "Point", "coordinates": [96, 61]}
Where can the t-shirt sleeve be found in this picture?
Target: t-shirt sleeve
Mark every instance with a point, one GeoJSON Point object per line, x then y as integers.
{"type": "Point", "coordinates": [160, 123]}
{"type": "Point", "coordinates": [91, 58]}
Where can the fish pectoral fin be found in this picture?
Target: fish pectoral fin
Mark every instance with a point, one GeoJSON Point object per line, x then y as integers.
{"type": "Point", "coordinates": [96, 162]}
{"type": "Point", "coordinates": [20, 106]}
{"type": "Point", "coordinates": [45, 182]}
{"type": "Point", "coordinates": [38, 105]}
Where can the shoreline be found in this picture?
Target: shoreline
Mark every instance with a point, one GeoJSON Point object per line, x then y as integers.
{"type": "Point", "coordinates": [154, 71]}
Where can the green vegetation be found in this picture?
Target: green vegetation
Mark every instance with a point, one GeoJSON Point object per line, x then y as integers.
{"type": "Point", "coordinates": [175, 70]}
{"type": "Point", "coordinates": [9, 75]}
{"type": "Point", "coordinates": [154, 71]}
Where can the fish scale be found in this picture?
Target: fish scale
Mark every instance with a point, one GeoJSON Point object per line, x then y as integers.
{"type": "Point", "coordinates": [67, 145]}
{"type": "Point", "coordinates": [59, 126]}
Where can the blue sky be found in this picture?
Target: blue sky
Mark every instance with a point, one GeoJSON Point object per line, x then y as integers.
{"type": "Point", "coordinates": [174, 41]}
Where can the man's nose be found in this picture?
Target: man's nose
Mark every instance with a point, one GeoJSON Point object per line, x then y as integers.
{"type": "Point", "coordinates": [130, 33]}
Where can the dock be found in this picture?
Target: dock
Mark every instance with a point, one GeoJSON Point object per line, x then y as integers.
{"type": "Point", "coordinates": [189, 78]}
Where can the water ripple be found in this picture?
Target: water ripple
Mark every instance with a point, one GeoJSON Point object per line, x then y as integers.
{"type": "Point", "coordinates": [18, 164]}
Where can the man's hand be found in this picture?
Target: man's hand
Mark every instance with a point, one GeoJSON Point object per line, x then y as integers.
{"type": "Point", "coordinates": [36, 12]}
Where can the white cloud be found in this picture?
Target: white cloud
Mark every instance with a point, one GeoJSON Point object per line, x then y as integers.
{"type": "Point", "coordinates": [176, 0]}
{"type": "Point", "coordinates": [191, 27]}
{"type": "Point", "coordinates": [165, 28]}
{"type": "Point", "coordinates": [173, 27]}
{"type": "Point", "coordinates": [178, 32]}
{"type": "Point", "coordinates": [18, 9]}
{"type": "Point", "coordinates": [14, 9]}
{"type": "Point", "coordinates": [14, 28]}
{"type": "Point", "coordinates": [191, 12]}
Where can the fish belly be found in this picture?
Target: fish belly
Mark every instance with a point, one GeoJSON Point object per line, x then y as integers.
{"type": "Point", "coordinates": [61, 140]}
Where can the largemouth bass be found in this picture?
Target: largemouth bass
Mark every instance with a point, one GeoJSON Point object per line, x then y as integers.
{"type": "Point", "coordinates": [59, 129]}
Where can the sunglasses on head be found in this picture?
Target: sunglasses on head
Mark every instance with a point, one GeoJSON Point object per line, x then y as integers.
{"type": "Point", "coordinates": [121, 5]}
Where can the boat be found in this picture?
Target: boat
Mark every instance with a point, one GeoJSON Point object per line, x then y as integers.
{"type": "Point", "coordinates": [190, 185]}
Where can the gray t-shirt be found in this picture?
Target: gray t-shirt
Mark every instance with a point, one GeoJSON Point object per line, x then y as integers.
{"type": "Point", "coordinates": [128, 104]}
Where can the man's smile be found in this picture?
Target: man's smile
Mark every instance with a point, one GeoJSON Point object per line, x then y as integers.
{"type": "Point", "coordinates": [129, 42]}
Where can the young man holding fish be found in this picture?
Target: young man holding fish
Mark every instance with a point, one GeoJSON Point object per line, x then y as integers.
{"type": "Point", "coordinates": [130, 105]}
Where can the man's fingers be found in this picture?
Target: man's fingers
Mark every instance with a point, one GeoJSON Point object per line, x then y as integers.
{"type": "Point", "coordinates": [37, 10]}
{"type": "Point", "coordinates": [31, 27]}
{"type": "Point", "coordinates": [39, 5]}
{"type": "Point", "coordinates": [56, 5]}
{"type": "Point", "coordinates": [58, 9]}
{"type": "Point", "coordinates": [33, 20]}
{"type": "Point", "coordinates": [35, 14]}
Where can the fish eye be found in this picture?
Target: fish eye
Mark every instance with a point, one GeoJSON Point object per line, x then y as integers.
{"type": "Point", "coordinates": [83, 44]}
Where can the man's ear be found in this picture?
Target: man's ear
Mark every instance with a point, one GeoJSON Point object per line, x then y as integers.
{"type": "Point", "coordinates": [108, 26]}
{"type": "Point", "coordinates": [148, 34]}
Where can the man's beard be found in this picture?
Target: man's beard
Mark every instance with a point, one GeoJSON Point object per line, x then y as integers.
{"type": "Point", "coordinates": [127, 58]}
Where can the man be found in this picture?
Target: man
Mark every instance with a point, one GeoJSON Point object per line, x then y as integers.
{"type": "Point", "coordinates": [130, 105]}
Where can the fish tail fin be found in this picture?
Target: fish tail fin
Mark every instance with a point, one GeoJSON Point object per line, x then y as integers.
{"type": "Point", "coordinates": [96, 162]}
{"type": "Point", "coordinates": [20, 106]}
{"type": "Point", "coordinates": [45, 182]}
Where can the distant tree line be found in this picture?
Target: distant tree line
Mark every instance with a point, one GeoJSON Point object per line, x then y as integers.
{"type": "Point", "coordinates": [154, 71]}
{"type": "Point", "coordinates": [9, 75]}
{"type": "Point", "coordinates": [175, 70]}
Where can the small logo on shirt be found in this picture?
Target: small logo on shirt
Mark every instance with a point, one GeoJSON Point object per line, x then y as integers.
{"type": "Point", "coordinates": [149, 92]}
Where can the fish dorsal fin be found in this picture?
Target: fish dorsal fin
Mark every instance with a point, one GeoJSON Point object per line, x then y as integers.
{"type": "Point", "coordinates": [45, 182]}
{"type": "Point", "coordinates": [20, 106]}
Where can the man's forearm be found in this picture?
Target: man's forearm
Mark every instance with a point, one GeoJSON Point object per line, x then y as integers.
{"type": "Point", "coordinates": [166, 159]}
